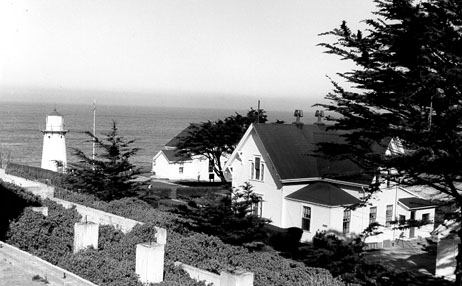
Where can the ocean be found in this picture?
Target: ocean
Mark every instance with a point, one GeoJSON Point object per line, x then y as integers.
{"type": "Point", "coordinates": [151, 127]}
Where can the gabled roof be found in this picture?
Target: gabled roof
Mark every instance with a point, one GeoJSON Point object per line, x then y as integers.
{"type": "Point", "coordinates": [324, 194]}
{"type": "Point", "coordinates": [173, 143]}
{"type": "Point", "coordinates": [291, 149]}
{"type": "Point", "coordinates": [172, 156]}
{"type": "Point", "coordinates": [416, 203]}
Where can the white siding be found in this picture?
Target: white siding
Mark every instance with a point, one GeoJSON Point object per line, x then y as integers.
{"type": "Point", "coordinates": [324, 218]}
{"type": "Point", "coordinates": [197, 168]}
{"type": "Point", "coordinates": [272, 207]}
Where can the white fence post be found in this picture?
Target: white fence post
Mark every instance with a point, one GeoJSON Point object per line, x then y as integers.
{"type": "Point", "coordinates": [150, 262]}
{"type": "Point", "coordinates": [85, 234]}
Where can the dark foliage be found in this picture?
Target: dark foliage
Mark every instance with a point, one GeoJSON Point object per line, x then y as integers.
{"type": "Point", "coordinates": [283, 239]}
{"type": "Point", "coordinates": [13, 201]}
{"type": "Point", "coordinates": [407, 87]}
{"type": "Point", "coordinates": [50, 238]}
{"type": "Point", "coordinates": [215, 139]}
{"type": "Point", "coordinates": [109, 176]}
{"type": "Point", "coordinates": [113, 262]}
{"type": "Point", "coordinates": [210, 253]}
{"type": "Point", "coordinates": [36, 174]}
{"type": "Point", "coordinates": [229, 217]}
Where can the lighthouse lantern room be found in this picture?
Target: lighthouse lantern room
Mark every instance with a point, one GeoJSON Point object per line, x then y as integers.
{"type": "Point", "coordinates": [54, 143]}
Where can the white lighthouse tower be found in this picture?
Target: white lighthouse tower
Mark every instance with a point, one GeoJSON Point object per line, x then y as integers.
{"type": "Point", "coordinates": [54, 143]}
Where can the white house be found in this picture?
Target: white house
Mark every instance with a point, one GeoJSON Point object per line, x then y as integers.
{"type": "Point", "coordinates": [167, 164]}
{"type": "Point", "coordinates": [300, 189]}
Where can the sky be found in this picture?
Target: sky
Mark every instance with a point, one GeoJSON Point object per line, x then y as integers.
{"type": "Point", "coordinates": [189, 53]}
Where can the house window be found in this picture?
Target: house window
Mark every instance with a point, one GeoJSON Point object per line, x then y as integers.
{"type": "Point", "coordinates": [389, 215]}
{"type": "Point", "coordinates": [373, 215]}
{"type": "Point", "coordinates": [346, 221]}
{"type": "Point", "coordinates": [402, 219]}
{"type": "Point", "coordinates": [210, 166]}
{"type": "Point", "coordinates": [258, 169]}
{"type": "Point", "coordinates": [426, 218]}
{"type": "Point", "coordinates": [257, 208]}
{"type": "Point", "coordinates": [181, 169]}
{"type": "Point", "coordinates": [306, 218]}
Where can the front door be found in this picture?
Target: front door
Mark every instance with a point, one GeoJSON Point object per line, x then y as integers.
{"type": "Point", "coordinates": [412, 229]}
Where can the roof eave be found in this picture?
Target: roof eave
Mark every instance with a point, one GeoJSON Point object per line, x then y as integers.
{"type": "Point", "coordinates": [416, 208]}
{"type": "Point", "coordinates": [317, 179]}
{"type": "Point", "coordinates": [318, 204]}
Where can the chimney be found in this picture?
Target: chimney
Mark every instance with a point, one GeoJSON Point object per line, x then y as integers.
{"type": "Point", "coordinates": [319, 114]}
{"type": "Point", "coordinates": [298, 113]}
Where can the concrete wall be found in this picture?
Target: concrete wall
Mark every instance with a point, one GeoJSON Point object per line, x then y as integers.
{"type": "Point", "coordinates": [100, 217]}
{"type": "Point", "coordinates": [240, 278]}
{"type": "Point", "coordinates": [199, 274]}
{"type": "Point", "coordinates": [88, 214]}
{"type": "Point", "coordinates": [36, 188]}
{"type": "Point", "coordinates": [231, 278]}
{"type": "Point", "coordinates": [32, 265]}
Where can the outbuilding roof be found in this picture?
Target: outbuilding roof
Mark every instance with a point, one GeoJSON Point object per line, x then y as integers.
{"type": "Point", "coordinates": [173, 143]}
{"type": "Point", "coordinates": [416, 203]}
{"type": "Point", "coordinates": [324, 194]}
{"type": "Point", "coordinates": [172, 156]}
{"type": "Point", "coordinates": [292, 150]}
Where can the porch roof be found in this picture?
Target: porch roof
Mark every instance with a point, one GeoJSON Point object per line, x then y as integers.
{"type": "Point", "coordinates": [324, 194]}
{"type": "Point", "coordinates": [416, 203]}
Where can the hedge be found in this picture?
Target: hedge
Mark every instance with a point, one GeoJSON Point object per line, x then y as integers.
{"type": "Point", "coordinates": [112, 264]}
{"type": "Point", "coordinates": [36, 174]}
{"type": "Point", "coordinates": [13, 200]}
{"type": "Point", "coordinates": [210, 253]}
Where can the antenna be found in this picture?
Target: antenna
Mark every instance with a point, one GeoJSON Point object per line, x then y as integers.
{"type": "Point", "coordinates": [94, 127]}
{"type": "Point", "coordinates": [258, 112]}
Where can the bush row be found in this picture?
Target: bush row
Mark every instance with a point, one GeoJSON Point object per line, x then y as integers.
{"type": "Point", "coordinates": [183, 193]}
{"type": "Point", "coordinates": [13, 200]}
{"type": "Point", "coordinates": [210, 253]}
{"type": "Point", "coordinates": [36, 174]}
{"type": "Point", "coordinates": [112, 264]}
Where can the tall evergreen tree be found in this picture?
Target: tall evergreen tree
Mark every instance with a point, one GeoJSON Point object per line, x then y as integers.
{"type": "Point", "coordinates": [109, 175]}
{"type": "Point", "coordinates": [215, 139]}
{"type": "Point", "coordinates": [407, 85]}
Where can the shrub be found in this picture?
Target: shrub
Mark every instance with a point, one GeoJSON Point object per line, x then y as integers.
{"type": "Point", "coordinates": [48, 237]}
{"type": "Point", "coordinates": [284, 239]}
{"type": "Point", "coordinates": [36, 174]}
{"type": "Point", "coordinates": [113, 264]}
{"type": "Point", "coordinates": [199, 250]}
{"type": "Point", "coordinates": [211, 254]}
{"type": "Point", "coordinates": [189, 193]}
{"type": "Point", "coordinates": [13, 200]}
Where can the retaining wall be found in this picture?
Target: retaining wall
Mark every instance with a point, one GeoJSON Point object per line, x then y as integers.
{"type": "Point", "coordinates": [199, 274]}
